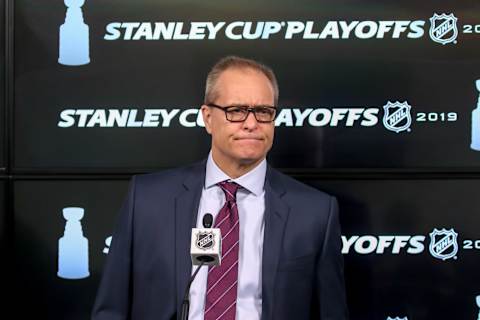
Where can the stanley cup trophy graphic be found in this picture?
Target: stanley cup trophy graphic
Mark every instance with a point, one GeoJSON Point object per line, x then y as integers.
{"type": "Point", "coordinates": [478, 305]}
{"type": "Point", "coordinates": [74, 47]}
{"type": "Point", "coordinates": [73, 247]}
{"type": "Point", "coordinates": [476, 122]}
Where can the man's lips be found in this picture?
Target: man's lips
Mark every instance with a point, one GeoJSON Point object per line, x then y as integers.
{"type": "Point", "coordinates": [248, 138]}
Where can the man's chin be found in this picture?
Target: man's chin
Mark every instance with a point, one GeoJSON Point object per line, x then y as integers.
{"type": "Point", "coordinates": [248, 160]}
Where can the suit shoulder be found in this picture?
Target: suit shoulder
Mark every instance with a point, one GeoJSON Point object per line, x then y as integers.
{"type": "Point", "coordinates": [299, 189]}
{"type": "Point", "coordinates": [311, 208]}
{"type": "Point", "coordinates": [165, 178]}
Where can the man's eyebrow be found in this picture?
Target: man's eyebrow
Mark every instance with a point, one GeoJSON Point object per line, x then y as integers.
{"type": "Point", "coordinates": [237, 104]}
{"type": "Point", "coordinates": [247, 105]}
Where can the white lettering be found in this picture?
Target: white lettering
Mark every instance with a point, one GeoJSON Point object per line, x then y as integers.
{"type": "Point", "coordinates": [132, 122]}
{"type": "Point", "coordinates": [183, 118]}
{"type": "Point", "coordinates": [177, 34]}
{"type": "Point", "coordinates": [200, 122]}
{"type": "Point", "coordinates": [301, 115]}
{"type": "Point", "coordinates": [253, 30]}
{"type": "Point", "coordinates": [313, 117]}
{"type": "Point", "coordinates": [213, 29]}
{"type": "Point", "coordinates": [145, 31]}
{"type": "Point", "coordinates": [338, 114]}
{"type": "Point", "coordinates": [400, 27]}
{"type": "Point", "coordinates": [129, 26]}
{"type": "Point", "coordinates": [353, 114]}
{"type": "Point", "coordinates": [168, 116]}
{"type": "Point", "coordinates": [197, 31]}
{"type": "Point", "coordinates": [371, 243]}
{"type": "Point", "coordinates": [400, 242]}
{"type": "Point", "coordinates": [383, 28]}
{"type": "Point", "coordinates": [229, 30]}
{"type": "Point", "coordinates": [83, 116]}
{"type": "Point", "coordinates": [417, 245]}
{"type": "Point", "coordinates": [98, 118]}
{"type": "Point", "coordinates": [347, 243]}
{"type": "Point", "coordinates": [151, 118]}
{"type": "Point", "coordinates": [115, 116]}
{"type": "Point", "coordinates": [67, 119]}
{"type": "Point", "coordinates": [416, 28]}
{"type": "Point", "coordinates": [293, 27]}
{"type": "Point", "coordinates": [164, 31]}
{"type": "Point", "coordinates": [330, 30]}
{"type": "Point", "coordinates": [271, 27]}
{"type": "Point", "coordinates": [112, 31]}
{"type": "Point", "coordinates": [347, 28]}
{"type": "Point", "coordinates": [366, 29]}
{"type": "Point", "coordinates": [247, 31]}
{"type": "Point", "coordinates": [370, 116]}
{"type": "Point", "coordinates": [308, 34]}
{"type": "Point", "coordinates": [284, 117]}
{"type": "Point", "coordinates": [383, 243]}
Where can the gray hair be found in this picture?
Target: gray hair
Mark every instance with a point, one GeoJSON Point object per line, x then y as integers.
{"type": "Point", "coordinates": [234, 62]}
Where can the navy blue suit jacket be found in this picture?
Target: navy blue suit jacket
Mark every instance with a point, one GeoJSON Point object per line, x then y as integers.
{"type": "Point", "coordinates": [148, 266]}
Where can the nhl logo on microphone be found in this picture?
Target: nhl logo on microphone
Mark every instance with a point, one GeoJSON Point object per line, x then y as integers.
{"type": "Point", "coordinates": [205, 240]}
{"type": "Point", "coordinates": [206, 246]}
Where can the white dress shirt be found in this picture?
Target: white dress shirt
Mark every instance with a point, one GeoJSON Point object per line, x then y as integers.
{"type": "Point", "coordinates": [251, 208]}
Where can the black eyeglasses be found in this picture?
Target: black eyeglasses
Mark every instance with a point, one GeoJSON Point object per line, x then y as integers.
{"type": "Point", "coordinates": [262, 114]}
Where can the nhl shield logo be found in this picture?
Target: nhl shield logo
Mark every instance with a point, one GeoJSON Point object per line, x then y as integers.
{"type": "Point", "coordinates": [397, 116]}
{"type": "Point", "coordinates": [204, 240]}
{"type": "Point", "coordinates": [443, 28]}
{"type": "Point", "coordinates": [443, 243]}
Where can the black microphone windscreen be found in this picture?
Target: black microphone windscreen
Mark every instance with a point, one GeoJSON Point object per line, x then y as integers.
{"type": "Point", "coordinates": [207, 220]}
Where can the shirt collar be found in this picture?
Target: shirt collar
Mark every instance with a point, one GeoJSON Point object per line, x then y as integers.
{"type": "Point", "coordinates": [253, 181]}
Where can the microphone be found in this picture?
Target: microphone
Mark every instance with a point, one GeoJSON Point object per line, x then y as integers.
{"type": "Point", "coordinates": [205, 249]}
{"type": "Point", "coordinates": [206, 243]}
{"type": "Point", "coordinates": [207, 220]}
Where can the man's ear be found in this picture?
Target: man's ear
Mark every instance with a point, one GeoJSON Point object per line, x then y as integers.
{"type": "Point", "coordinates": [207, 118]}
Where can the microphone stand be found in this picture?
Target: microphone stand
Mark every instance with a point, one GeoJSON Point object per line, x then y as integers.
{"type": "Point", "coordinates": [186, 299]}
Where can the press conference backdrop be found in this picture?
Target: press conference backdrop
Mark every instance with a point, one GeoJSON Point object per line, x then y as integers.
{"type": "Point", "coordinates": [2, 91]}
{"type": "Point", "coordinates": [379, 105]}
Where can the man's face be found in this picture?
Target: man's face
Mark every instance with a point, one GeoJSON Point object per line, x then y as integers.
{"type": "Point", "coordinates": [244, 142]}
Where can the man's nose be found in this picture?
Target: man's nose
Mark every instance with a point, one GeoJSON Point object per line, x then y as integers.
{"type": "Point", "coordinates": [251, 122]}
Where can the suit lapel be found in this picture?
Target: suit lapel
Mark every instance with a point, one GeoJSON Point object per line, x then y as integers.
{"type": "Point", "coordinates": [276, 214]}
{"type": "Point", "coordinates": [186, 209]}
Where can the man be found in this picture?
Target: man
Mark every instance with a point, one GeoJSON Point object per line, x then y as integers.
{"type": "Point", "coordinates": [281, 245]}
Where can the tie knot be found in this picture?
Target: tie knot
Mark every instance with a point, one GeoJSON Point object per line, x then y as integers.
{"type": "Point", "coordinates": [230, 190]}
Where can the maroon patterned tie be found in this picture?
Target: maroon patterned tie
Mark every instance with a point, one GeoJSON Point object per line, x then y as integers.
{"type": "Point", "coordinates": [221, 296]}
